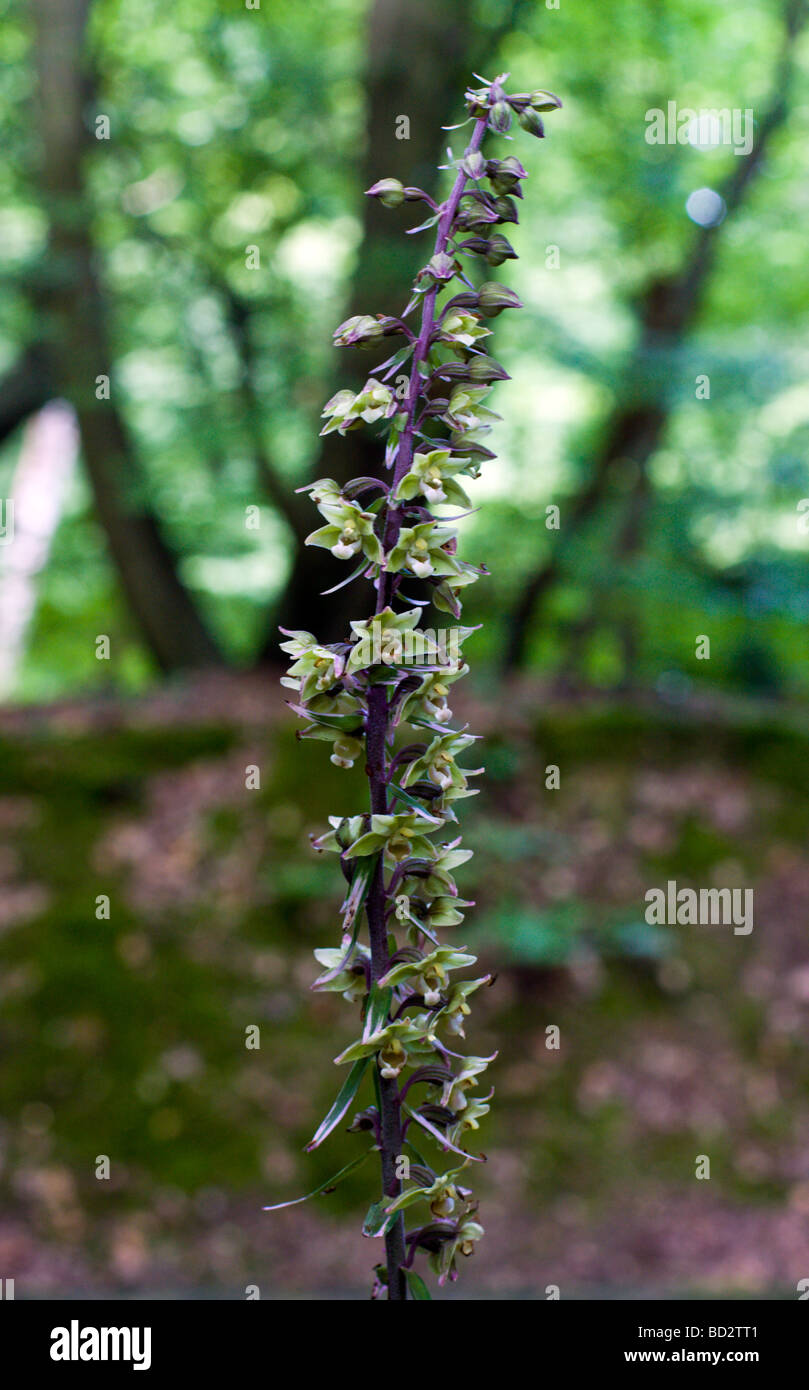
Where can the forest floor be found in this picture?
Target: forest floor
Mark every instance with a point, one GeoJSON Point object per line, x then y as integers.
{"type": "Point", "coordinates": [125, 1037]}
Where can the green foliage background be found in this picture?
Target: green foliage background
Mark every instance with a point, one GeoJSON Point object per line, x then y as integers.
{"type": "Point", "coordinates": [229, 128]}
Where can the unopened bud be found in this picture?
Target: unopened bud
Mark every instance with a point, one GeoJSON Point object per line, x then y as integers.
{"type": "Point", "coordinates": [531, 121]}
{"type": "Point", "coordinates": [500, 117]}
{"type": "Point", "coordinates": [493, 298]}
{"type": "Point", "coordinates": [499, 249]}
{"type": "Point", "coordinates": [474, 165]}
{"type": "Point", "coordinates": [485, 369]}
{"type": "Point", "coordinates": [505, 209]}
{"type": "Point", "coordinates": [442, 267]}
{"type": "Point", "coordinates": [505, 174]}
{"type": "Point", "coordinates": [390, 192]}
{"type": "Point", "coordinates": [545, 101]}
{"type": "Point", "coordinates": [361, 328]}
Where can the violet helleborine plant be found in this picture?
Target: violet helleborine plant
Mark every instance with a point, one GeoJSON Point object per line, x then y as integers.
{"type": "Point", "coordinates": [397, 860]}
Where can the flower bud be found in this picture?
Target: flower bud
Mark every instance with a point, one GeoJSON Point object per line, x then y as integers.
{"type": "Point", "coordinates": [493, 298]}
{"type": "Point", "coordinates": [346, 751]}
{"type": "Point", "coordinates": [545, 101]}
{"type": "Point", "coordinates": [485, 369]}
{"type": "Point", "coordinates": [499, 249]}
{"type": "Point", "coordinates": [531, 121]}
{"type": "Point", "coordinates": [474, 165]}
{"type": "Point", "coordinates": [505, 209]}
{"type": "Point", "coordinates": [500, 117]}
{"type": "Point", "coordinates": [390, 192]}
{"type": "Point", "coordinates": [505, 174]}
{"type": "Point", "coordinates": [477, 101]}
{"type": "Point", "coordinates": [361, 328]}
{"type": "Point", "coordinates": [441, 268]}
{"type": "Point", "coordinates": [392, 1058]}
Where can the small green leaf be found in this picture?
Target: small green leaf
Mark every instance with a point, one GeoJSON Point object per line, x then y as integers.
{"type": "Point", "coordinates": [414, 805]}
{"type": "Point", "coordinates": [378, 1220]}
{"type": "Point", "coordinates": [417, 1286]}
{"type": "Point", "coordinates": [422, 227]}
{"type": "Point", "coordinates": [397, 359]}
{"type": "Point", "coordinates": [377, 1012]}
{"type": "Point", "coordinates": [355, 898]}
{"type": "Point", "coordinates": [340, 722]}
{"type": "Point", "coordinates": [357, 893]}
{"type": "Point", "coordinates": [346, 1095]}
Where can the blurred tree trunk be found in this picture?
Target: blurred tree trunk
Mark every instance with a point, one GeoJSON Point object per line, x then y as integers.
{"type": "Point", "coordinates": [421, 56]}
{"type": "Point", "coordinates": [635, 429]}
{"type": "Point", "coordinates": [24, 390]}
{"type": "Point", "coordinates": [72, 308]}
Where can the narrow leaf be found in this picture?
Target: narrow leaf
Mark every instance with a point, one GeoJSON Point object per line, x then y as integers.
{"type": "Point", "coordinates": [358, 891]}
{"type": "Point", "coordinates": [327, 1186]}
{"type": "Point", "coordinates": [395, 361]}
{"type": "Point", "coordinates": [354, 575]}
{"type": "Point", "coordinates": [346, 1095]}
{"type": "Point", "coordinates": [440, 1138]}
{"type": "Point", "coordinates": [422, 227]}
{"type": "Point", "coordinates": [346, 722]}
{"type": "Point", "coordinates": [402, 795]}
{"type": "Point", "coordinates": [355, 898]}
{"type": "Point", "coordinates": [378, 1220]}
{"type": "Point", "coordinates": [376, 1015]}
{"type": "Point", "coordinates": [425, 930]}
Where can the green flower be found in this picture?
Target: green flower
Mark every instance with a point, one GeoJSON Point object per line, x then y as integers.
{"type": "Point", "coordinates": [462, 329]}
{"type": "Point", "coordinates": [505, 174]}
{"type": "Point", "coordinates": [446, 594]}
{"type": "Point", "coordinates": [437, 764]}
{"type": "Point", "coordinates": [337, 720]}
{"type": "Point", "coordinates": [443, 1262]}
{"type": "Point", "coordinates": [390, 639]}
{"type": "Point", "coordinates": [346, 750]}
{"type": "Point", "coordinates": [390, 192]}
{"type": "Point", "coordinates": [421, 550]}
{"type": "Point", "coordinates": [453, 1095]}
{"type": "Point", "coordinates": [465, 411]}
{"type": "Point", "coordinates": [351, 981]}
{"type": "Point", "coordinates": [324, 490]}
{"type": "Point", "coordinates": [476, 1110]}
{"type": "Point", "coordinates": [344, 831]}
{"type": "Point", "coordinates": [401, 837]}
{"type": "Point", "coordinates": [440, 269]}
{"type": "Point", "coordinates": [350, 531]}
{"type": "Point", "coordinates": [499, 249]}
{"type": "Point", "coordinates": [431, 916]}
{"type": "Point", "coordinates": [428, 976]}
{"type": "Point", "coordinates": [346, 410]}
{"type": "Point", "coordinates": [393, 1043]}
{"type": "Point", "coordinates": [432, 475]}
{"type": "Point", "coordinates": [439, 880]}
{"type": "Point", "coordinates": [493, 298]}
{"type": "Point", "coordinates": [456, 1010]}
{"type": "Point", "coordinates": [316, 669]}
{"type": "Point", "coordinates": [444, 1195]}
{"type": "Point", "coordinates": [430, 700]}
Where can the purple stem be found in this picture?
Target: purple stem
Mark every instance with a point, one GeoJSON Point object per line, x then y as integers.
{"type": "Point", "coordinates": [376, 731]}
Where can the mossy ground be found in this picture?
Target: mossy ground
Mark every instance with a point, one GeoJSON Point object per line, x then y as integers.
{"type": "Point", "coordinates": [126, 1037]}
